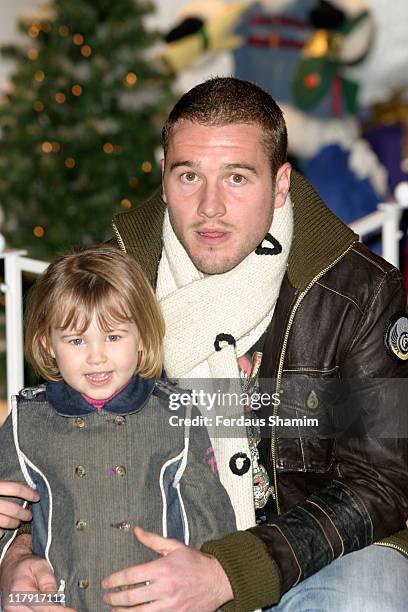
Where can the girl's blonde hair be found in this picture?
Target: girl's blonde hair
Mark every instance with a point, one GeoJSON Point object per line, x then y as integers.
{"type": "Point", "coordinates": [101, 281]}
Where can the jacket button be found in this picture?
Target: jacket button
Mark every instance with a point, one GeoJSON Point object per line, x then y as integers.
{"type": "Point", "coordinates": [80, 471]}
{"type": "Point", "coordinates": [120, 470]}
{"type": "Point", "coordinates": [120, 420]}
{"type": "Point", "coordinates": [123, 525]}
{"type": "Point", "coordinates": [239, 464]}
{"type": "Point", "coordinates": [84, 583]}
{"type": "Point", "coordinates": [79, 422]}
{"type": "Point", "coordinates": [80, 525]}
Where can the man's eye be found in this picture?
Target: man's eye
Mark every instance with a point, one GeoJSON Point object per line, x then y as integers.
{"type": "Point", "coordinates": [237, 179]}
{"type": "Point", "coordinates": [76, 341]}
{"type": "Point", "coordinates": [113, 337]}
{"type": "Point", "coordinates": [189, 177]}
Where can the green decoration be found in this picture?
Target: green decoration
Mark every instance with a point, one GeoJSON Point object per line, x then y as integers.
{"type": "Point", "coordinates": [312, 80]}
{"type": "Point", "coordinates": [80, 126]}
{"type": "Point", "coordinates": [350, 96]}
{"type": "Point", "coordinates": [203, 34]}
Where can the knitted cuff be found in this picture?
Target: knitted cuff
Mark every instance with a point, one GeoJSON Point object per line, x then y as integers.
{"type": "Point", "coordinates": [253, 574]}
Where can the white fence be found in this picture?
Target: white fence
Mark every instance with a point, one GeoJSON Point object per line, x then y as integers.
{"type": "Point", "coordinates": [15, 263]}
{"type": "Point", "coordinates": [385, 220]}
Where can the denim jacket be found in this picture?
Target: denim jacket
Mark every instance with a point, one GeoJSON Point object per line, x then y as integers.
{"type": "Point", "coordinates": [100, 473]}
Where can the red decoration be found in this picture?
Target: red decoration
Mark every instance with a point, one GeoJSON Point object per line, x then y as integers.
{"type": "Point", "coordinates": [311, 80]}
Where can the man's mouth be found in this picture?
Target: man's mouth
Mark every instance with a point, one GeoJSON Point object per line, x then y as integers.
{"type": "Point", "coordinates": [212, 237]}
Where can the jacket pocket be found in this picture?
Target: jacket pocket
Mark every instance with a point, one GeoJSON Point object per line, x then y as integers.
{"type": "Point", "coordinates": [304, 423]}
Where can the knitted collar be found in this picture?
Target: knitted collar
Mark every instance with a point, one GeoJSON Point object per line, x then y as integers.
{"type": "Point", "coordinates": [320, 238]}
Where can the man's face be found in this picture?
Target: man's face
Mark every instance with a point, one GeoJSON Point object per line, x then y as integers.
{"type": "Point", "coordinates": [218, 185]}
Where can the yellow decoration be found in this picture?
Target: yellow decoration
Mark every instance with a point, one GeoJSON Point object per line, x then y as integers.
{"type": "Point", "coordinates": [78, 39]}
{"type": "Point", "coordinates": [126, 203]}
{"type": "Point", "coordinates": [38, 231]}
{"type": "Point", "coordinates": [60, 97]}
{"type": "Point", "coordinates": [34, 30]}
{"type": "Point", "coordinates": [70, 162]}
{"type": "Point", "coordinates": [38, 106]}
{"type": "Point", "coordinates": [181, 53]}
{"type": "Point", "coordinates": [324, 43]}
{"type": "Point", "coordinates": [39, 76]}
{"type": "Point", "coordinates": [63, 31]}
{"type": "Point", "coordinates": [46, 147]}
{"type": "Point", "coordinates": [108, 148]}
{"type": "Point", "coordinates": [32, 54]}
{"type": "Point", "coordinates": [147, 166]}
{"type": "Point", "coordinates": [395, 110]}
{"type": "Point", "coordinates": [56, 147]}
{"type": "Point", "coordinates": [86, 51]}
{"type": "Point", "coordinates": [130, 79]}
{"type": "Point", "coordinates": [317, 45]}
{"type": "Point", "coordinates": [76, 90]}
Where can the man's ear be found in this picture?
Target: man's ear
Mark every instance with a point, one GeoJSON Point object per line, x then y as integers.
{"type": "Point", "coordinates": [282, 184]}
{"type": "Point", "coordinates": [162, 169]}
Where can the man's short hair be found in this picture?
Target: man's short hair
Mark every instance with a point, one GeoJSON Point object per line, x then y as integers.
{"type": "Point", "coordinates": [99, 281]}
{"type": "Point", "coordinates": [223, 101]}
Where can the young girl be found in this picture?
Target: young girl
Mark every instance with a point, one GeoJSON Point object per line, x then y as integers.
{"type": "Point", "coordinates": [97, 441]}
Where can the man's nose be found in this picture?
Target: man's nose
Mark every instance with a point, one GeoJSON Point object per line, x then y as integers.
{"type": "Point", "coordinates": [212, 203]}
{"type": "Point", "coordinates": [96, 353]}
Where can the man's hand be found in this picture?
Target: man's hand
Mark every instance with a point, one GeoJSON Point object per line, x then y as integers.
{"type": "Point", "coordinates": [11, 513]}
{"type": "Point", "coordinates": [21, 571]}
{"type": "Point", "coordinates": [184, 579]}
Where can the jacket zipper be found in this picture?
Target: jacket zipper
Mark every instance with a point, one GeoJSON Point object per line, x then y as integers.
{"type": "Point", "coordinates": [281, 361]}
{"type": "Point", "coordinates": [403, 551]}
{"type": "Point", "coordinates": [118, 237]}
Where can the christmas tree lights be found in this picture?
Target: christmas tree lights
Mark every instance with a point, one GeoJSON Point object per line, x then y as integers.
{"type": "Point", "coordinates": [80, 124]}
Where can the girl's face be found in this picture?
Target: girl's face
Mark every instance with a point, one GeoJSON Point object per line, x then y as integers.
{"type": "Point", "coordinates": [95, 362]}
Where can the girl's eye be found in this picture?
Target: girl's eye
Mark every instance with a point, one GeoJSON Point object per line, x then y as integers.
{"type": "Point", "coordinates": [76, 341]}
{"type": "Point", "coordinates": [237, 179]}
{"type": "Point", "coordinates": [113, 338]}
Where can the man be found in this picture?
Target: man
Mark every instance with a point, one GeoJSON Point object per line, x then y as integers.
{"type": "Point", "coordinates": [250, 278]}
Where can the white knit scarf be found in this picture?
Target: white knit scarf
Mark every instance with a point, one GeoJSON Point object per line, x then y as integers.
{"type": "Point", "coordinates": [212, 320]}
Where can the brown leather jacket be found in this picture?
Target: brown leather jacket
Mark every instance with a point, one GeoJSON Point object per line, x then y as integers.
{"type": "Point", "coordinates": [334, 495]}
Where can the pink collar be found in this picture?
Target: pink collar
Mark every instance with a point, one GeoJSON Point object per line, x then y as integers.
{"type": "Point", "coordinates": [99, 404]}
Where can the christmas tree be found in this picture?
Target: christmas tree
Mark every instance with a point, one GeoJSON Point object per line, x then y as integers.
{"type": "Point", "coordinates": [80, 124]}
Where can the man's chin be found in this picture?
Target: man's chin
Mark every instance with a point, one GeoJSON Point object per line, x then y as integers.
{"type": "Point", "coordinates": [210, 268]}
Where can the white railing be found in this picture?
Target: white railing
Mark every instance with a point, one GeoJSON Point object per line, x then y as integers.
{"type": "Point", "coordinates": [15, 263]}
{"type": "Point", "coordinates": [386, 220]}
